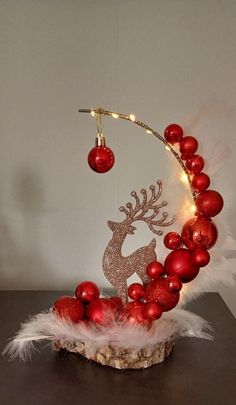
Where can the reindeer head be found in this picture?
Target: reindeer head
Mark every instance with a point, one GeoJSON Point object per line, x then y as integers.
{"type": "Point", "coordinates": [124, 227]}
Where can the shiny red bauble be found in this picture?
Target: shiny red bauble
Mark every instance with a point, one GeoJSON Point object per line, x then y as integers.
{"type": "Point", "coordinates": [188, 146]}
{"type": "Point", "coordinates": [174, 283]}
{"type": "Point", "coordinates": [195, 164]}
{"type": "Point", "coordinates": [101, 159]}
{"type": "Point", "coordinates": [101, 311]}
{"type": "Point", "coordinates": [133, 314]}
{"type": "Point", "coordinates": [173, 133]}
{"type": "Point", "coordinates": [200, 182]}
{"type": "Point", "coordinates": [117, 301]}
{"type": "Point", "coordinates": [155, 269]}
{"type": "Point", "coordinates": [172, 240]}
{"type": "Point", "coordinates": [152, 311]}
{"type": "Point", "coordinates": [87, 291]}
{"type": "Point", "coordinates": [200, 257]}
{"type": "Point", "coordinates": [209, 203]}
{"type": "Point", "coordinates": [136, 291]}
{"type": "Point", "coordinates": [158, 291]}
{"type": "Point", "coordinates": [69, 308]}
{"type": "Point", "coordinates": [199, 232]}
{"type": "Point", "coordinates": [179, 263]}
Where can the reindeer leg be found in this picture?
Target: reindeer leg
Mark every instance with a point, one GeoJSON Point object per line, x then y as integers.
{"type": "Point", "coordinates": [122, 291]}
{"type": "Point", "coordinates": [144, 277]}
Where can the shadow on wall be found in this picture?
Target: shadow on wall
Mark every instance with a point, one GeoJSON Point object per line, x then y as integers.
{"type": "Point", "coordinates": [21, 262]}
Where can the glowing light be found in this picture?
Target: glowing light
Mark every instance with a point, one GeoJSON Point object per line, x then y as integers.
{"type": "Point", "coordinates": [192, 208]}
{"type": "Point", "coordinates": [132, 117]}
{"type": "Point", "coordinates": [168, 148]}
{"type": "Point", "coordinates": [148, 131]}
{"type": "Point", "coordinates": [184, 178]}
{"type": "Point", "coordinates": [93, 113]}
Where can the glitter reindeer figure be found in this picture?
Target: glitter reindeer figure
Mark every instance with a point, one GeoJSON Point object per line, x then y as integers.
{"type": "Point", "coordinates": [118, 268]}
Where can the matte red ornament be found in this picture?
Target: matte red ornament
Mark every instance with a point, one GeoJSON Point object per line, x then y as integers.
{"type": "Point", "coordinates": [101, 311]}
{"type": "Point", "coordinates": [209, 203]}
{"type": "Point", "coordinates": [179, 263]}
{"type": "Point", "coordinates": [133, 314]}
{"type": "Point", "coordinates": [200, 257]}
{"type": "Point", "coordinates": [101, 159]}
{"type": "Point", "coordinates": [152, 311]}
{"type": "Point", "coordinates": [69, 307]}
{"type": "Point", "coordinates": [199, 232]}
{"type": "Point", "coordinates": [188, 146]}
{"type": "Point", "coordinates": [136, 291]}
{"type": "Point", "coordinates": [158, 291]}
{"type": "Point", "coordinates": [174, 283]}
{"type": "Point", "coordinates": [173, 133]}
{"type": "Point", "coordinates": [200, 182]}
{"type": "Point", "coordinates": [155, 269]}
{"type": "Point", "coordinates": [87, 291]}
{"type": "Point", "coordinates": [172, 240]}
{"type": "Point", "coordinates": [195, 164]}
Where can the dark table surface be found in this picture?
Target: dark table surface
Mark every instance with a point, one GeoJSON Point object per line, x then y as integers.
{"type": "Point", "coordinates": [197, 372]}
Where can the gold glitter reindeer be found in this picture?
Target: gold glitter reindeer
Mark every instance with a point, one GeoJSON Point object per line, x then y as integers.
{"type": "Point", "coordinates": [118, 268]}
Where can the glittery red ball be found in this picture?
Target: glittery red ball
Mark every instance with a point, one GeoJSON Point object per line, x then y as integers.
{"type": "Point", "coordinates": [173, 133]}
{"type": "Point", "coordinates": [69, 307]}
{"type": "Point", "coordinates": [209, 203]}
{"type": "Point", "coordinates": [136, 291]}
{"type": "Point", "coordinates": [158, 291]}
{"type": "Point", "coordinates": [188, 146]}
{"type": "Point", "coordinates": [195, 164]}
{"type": "Point", "coordinates": [101, 159]}
{"type": "Point", "coordinates": [199, 232]}
{"type": "Point", "coordinates": [200, 257]}
{"type": "Point", "coordinates": [101, 311]}
{"type": "Point", "coordinates": [179, 263]}
{"type": "Point", "coordinates": [174, 283]}
{"type": "Point", "coordinates": [133, 314]}
{"type": "Point", "coordinates": [200, 182]}
{"type": "Point", "coordinates": [87, 291]}
{"type": "Point", "coordinates": [172, 240]}
{"type": "Point", "coordinates": [152, 311]}
{"type": "Point", "coordinates": [155, 269]}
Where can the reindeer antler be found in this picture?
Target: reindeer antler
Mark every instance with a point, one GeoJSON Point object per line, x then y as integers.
{"type": "Point", "coordinates": [141, 208]}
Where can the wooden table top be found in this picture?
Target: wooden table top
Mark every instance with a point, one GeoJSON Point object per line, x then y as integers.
{"type": "Point", "coordinates": [198, 372]}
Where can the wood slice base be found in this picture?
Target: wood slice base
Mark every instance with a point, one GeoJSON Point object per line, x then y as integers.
{"type": "Point", "coordinates": [121, 358]}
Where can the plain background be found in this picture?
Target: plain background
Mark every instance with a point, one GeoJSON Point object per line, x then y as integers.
{"type": "Point", "coordinates": [166, 61]}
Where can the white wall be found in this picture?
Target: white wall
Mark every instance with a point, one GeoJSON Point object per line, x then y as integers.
{"type": "Point", "coordinates": [166, 61]}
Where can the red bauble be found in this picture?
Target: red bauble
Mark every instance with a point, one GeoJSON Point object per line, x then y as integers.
{"type": "Point", "coordinates": [200, 182]}
{"type": "Point", "coordinates": [195, 164]}
{"type": "Point", "coordinates": [209, 203]}
{"type": "Point", "coordinates": [155, 269]}
{"type": "Point", "coordinates": [87, 291]}
{"type": "Point", "coordinates": [152, 311]}
{"type": "Point", "coordinates": [101, 311]}
{"type": "Point", "coordinates": [174, 283]}
{"type": "Point", "coordinates": [200, 257]}
{"type": "Point", "coordinates": [179, 263]}
{"type": "Point", "coordinates": [158, 291]}
{"type": "Point", "coordinates": [133, 314]}
{"type": "Point", "coordinates": [69, 307]}
{"type": "Point", "coordinates": [172, 240]}
{"type": "Point", "coordinates": [188, 146]}
{"type": "Point", "coordinates": [173, 133]}
{"type": "Point", "coordinates": [199, 232]}
{"type": "Point", "coordinates": [136, 291]}
{"type": "Point", "coordinates": [101, 159]}
{"type": "Point", "coordinates": [117, 301]}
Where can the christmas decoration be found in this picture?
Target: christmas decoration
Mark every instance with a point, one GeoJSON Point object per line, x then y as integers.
{"type": "Point", "coordinates": [137, 334]}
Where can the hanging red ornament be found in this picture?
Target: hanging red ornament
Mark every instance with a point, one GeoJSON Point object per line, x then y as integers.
{"type": "Point", "coordinates": [173, 133]}
{"type": "Point", "coordinates": [69, 307]}
{"type": "Point", "coordinates": [101, 311]}
{"type": "Point", "coordinates": [136, 291]}
{"type": "Point", "coordinates": [172, 240]}
{"type": "Point", "coordinates": [199, 232]}
{"type": "Point", "coordinates": [200, 257]}
{"type": "Point", "coordinates": [152, 311]}
{"type": "Point", "coordinates": [133, 314]}
{"type": "Point", "coordinates": [179, 263]}
{"type": "Point", "coordinates": [155, 269]}
{"type": "Point", "coordinates": [87, 291]}
{"type": "Point", "coordinates": [209, 203]}
{"type": "Point", "coordinates": [158, 291]}
{"type": "Point", "coordinates": [195, 164]}
{"type": "Point", "coordinates": [200, 182]}
{"type": "Point", "coordinates": [174, 283]}
{"type": "Point", "coordinates": [188, 146]}
{"type": "Point", "coordinates": [101, 159]}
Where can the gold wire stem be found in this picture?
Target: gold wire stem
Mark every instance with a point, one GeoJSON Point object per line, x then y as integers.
{"type": "Point", "coordinates": [150, 130]}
